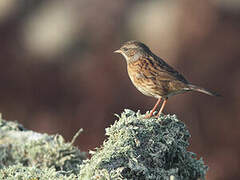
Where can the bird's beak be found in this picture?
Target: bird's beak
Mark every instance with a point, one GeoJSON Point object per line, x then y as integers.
{"type": "Point", "coordinates": [118, 51]}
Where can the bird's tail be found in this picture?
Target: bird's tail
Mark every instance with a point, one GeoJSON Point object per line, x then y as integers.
{"type": "Point", "coordinates": [202, 90]}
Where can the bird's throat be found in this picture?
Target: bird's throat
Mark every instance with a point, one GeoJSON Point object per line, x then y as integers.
{"type": "Point", "coordinates": [133, 58]}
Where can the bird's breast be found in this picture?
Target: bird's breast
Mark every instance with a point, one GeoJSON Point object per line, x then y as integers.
{"type": "Point", "coordinates": [144, 84]}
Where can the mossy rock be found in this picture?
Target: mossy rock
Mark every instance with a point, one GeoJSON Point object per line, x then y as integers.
{"type": "Point", "coordinates": [147, 149]}
{"type": "Point", "coordinates": [136, 148]}
{"type": "Point", "coordinates": [37, 153]}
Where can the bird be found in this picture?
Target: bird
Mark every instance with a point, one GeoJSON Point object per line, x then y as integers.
{"type": "Point", "coordinates": [153, 77]}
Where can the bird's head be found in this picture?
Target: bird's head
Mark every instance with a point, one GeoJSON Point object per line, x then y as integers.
{"type": "Point", "coordinates": [133, 50]}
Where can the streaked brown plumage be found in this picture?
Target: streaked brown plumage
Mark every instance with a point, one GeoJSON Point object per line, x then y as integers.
{"type": "Point", "coordinates": [154, 77]}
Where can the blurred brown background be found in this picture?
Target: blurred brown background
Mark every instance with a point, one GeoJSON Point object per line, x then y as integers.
{"type": "Point", "coordinates": [58, 72]}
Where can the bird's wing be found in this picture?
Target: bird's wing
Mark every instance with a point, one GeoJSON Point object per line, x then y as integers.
{"type": "Point", "coordinates": [153, 78]}
{"type": "Point", "coordinates": [165, 71]}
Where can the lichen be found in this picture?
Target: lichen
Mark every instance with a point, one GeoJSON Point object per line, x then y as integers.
{"type": "Point", "coordinates": [139, 148]}
{"type": "Point", "coordinates": [136, 148]}
{"type": "Point", "coordinates": [21, 172]}
{"type": "Point", "coordinates": [19, 146]}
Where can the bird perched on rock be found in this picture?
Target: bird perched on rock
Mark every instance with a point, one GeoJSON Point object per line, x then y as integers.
{"type": "Point", "coordinates": [152, 76]}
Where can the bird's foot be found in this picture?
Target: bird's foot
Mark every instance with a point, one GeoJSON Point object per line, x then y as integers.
{"type": "Point", "coordinates": [158, 115]}
{"type": "Point", "coordinates": [148, 116]}
{"type": "Point", "coordinates": [151, 114]}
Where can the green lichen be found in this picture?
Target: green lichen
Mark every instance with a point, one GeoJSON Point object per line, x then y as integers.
{"type": "Point", "coordinates": [139, 148]}
{"type": "Point", "coordinates": [135, 149]}
{"type": "Point", "coordinates": [19, 146]}
{"type": "Point", "coordinates": [20, 172]}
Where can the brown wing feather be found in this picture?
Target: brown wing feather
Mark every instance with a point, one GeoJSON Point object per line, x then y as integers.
{"type": "Point", "coordinates": [167, 69]}
{"type": "Point", "coordinates": [151, 79]}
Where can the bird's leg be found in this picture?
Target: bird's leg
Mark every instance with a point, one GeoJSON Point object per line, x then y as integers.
{"type": "Point", "coordinates": [163, 105]}
{"type": "Point", "coordinates": [154, 108]}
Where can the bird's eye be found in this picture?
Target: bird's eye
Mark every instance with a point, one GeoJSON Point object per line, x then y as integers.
{"type": "Point", "coordinates": [125, 49]}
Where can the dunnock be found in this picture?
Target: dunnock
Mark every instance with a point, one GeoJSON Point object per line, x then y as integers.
{"type": "Point", "coordinates": [154, 77]}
